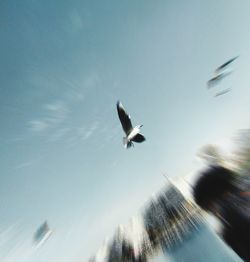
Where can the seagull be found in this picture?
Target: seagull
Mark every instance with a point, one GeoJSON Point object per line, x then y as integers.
{"type": "Point", "coordinates": [223, 66]}
{"type": "Point", "coordinates": [132, 133]}
{"type": "Point", "coordinates": [216, 79]}
{"type": "Point", "coordinates": [222, 92]}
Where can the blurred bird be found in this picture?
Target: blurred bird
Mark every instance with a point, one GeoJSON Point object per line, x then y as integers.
{"type": "Point", "coordinates": [216, 79]}
{"type": "Point", "coordinates": [42, 234]}
{"type": "Point", "coordinates": [223, 66]}
{"type": "Point", "coordinates": [132, 133]}
{"type": "Point", "coordinates": [222, 92]}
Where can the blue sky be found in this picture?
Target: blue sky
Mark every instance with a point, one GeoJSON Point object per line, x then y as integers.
{"type": "Point", "coordinates": [63, 66]}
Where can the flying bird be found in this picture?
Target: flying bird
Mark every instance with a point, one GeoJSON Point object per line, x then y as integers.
{"type": "Point", "coordinates": [216, 79]}
{"type": "Point", "coordinates": [222, 92]}
{"type": "Point", "coordinates": [132, 133]}
{"type": "Point", "coordinates": [223, 66]}
{"type": "Point", "coordinates": [42, 234]}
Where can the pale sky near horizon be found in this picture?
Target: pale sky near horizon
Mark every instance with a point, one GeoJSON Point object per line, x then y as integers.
{"type": "Point", "coordinates": [63, 66]}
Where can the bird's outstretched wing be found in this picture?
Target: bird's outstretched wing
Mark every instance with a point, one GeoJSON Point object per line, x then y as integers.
{"type": "Point", "coordinates": [124, 118]}
{"type": "Point", "coordinates": [139, 138]}
{"type": "Point", "coordinates": [223, 66]}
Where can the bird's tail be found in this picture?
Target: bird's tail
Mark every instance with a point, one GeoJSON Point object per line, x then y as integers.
{"type": "Point", "coordinates": [126, 142]}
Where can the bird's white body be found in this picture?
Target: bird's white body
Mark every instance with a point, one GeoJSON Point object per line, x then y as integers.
{"type": "Point", "coordinates": [133, 133]}
{"type": "Point", "coordinates": [127, 141]}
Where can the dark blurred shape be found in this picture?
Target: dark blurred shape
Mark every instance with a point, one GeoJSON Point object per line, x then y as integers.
{"type": "Point", "coordinates": [227, 196]}
{"type": "Point", "coordinates": [121, 249]}
{"type": "Point", "coordinates": [216, 79]}
{"type": "Point", "coordinates": [212, 185]}
{"type": "Point", "coordinates": [132, 133]}
{"type": "Point", "coordinates": [219, 75]}
{"type": "Point", "coordinates": [42, 234]}
{"type": "Point", "coordinates": [223, 92]}
{"type": "Point", "coordinates": [226, 64]}
{"type": "Point", "coordinates": [170, 219]}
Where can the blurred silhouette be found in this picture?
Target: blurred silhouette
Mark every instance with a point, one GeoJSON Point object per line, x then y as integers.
{"type": "Point", "coordinates": [132, 133]}
{"type": "Point", "coordinates": [42, 234]}
{"type": "Point", "coordinates": [211, 154]}
{"type": "Point", "coordinates": [167, 221]}
{"type": "Point", "coordinates": [222, 92]}
{"type": "Point", "coordinates": [219, 75]}
{"type": "Point", "coordinates": [225, 65]}
{"type": "Point", "coordinates": [217, 78]}
{"type": "Point", "coordinates": [241, 155]}
{"type": "Point", "coordinates": [225, 194]}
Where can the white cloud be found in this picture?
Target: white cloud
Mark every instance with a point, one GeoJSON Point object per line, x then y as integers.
{"type": "Point", "coordinates": [76, 20]}
{"type": "Point", "coordinates": [76, 92]}
{"type": "Point", "coordinates": [55, 113]}
{"type": "Point", "coordinates": [25, 164]}
{"type": "Point", "coordinates": [79, 90]}
{"type": "Point", "coordinates": [54, 116]}
{"type": "Point", "coordinates": [38, 125]}
{"type": "Point", "coordinates": [60, 133]}
{"type": "Point", "coordinates": [28, 163]}
{"type": "Point", "coordinates": [80, 96]}
{"type": "Point", "coordinates": [58, 111]}
{"type": "Point", "coordinates": [91, 80]}
{"type": "Point", "coordinates": [85, 133]}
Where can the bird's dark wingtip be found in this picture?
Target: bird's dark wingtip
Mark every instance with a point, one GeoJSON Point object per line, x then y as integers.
{"type": "Point", "coordinates": [118, 103]}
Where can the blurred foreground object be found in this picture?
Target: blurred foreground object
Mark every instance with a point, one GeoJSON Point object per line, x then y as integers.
{"type": "Point", "coordinates": [211, 154]}
{"type": "Point", "coordinates": [170, 227]}
{"type": "Point", "coordinates": [241, 156]}
{"type": "Point", "coordinates": [42, 234]}
{"type": "Point", "coordinates": [226, 195]}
